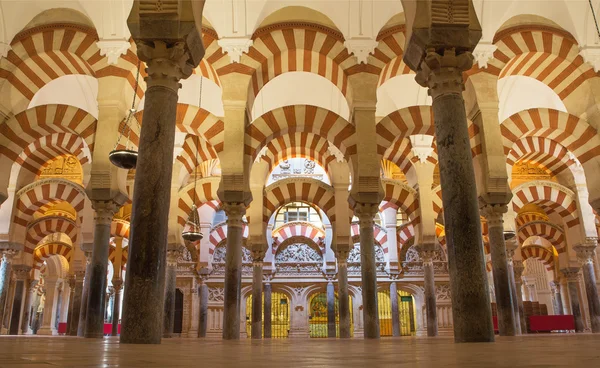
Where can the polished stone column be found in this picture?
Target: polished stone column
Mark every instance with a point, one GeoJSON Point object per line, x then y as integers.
{"type": "Point", "coordinates": [572, 276]}
{"type": "Point", "coordinates": [94, 318]}
{"type": "Point", "coordinates": [19, 303]}
{"type": "Point", "coordinates": [118, 286]}
{"type": "Point", "coordinates": [267, 291]}
{"type": "Point", "coordinates": [47, 325]}
{"type": "Point", "coordinates": [203, 324]}
{"type": "Point", "coordinates": [365, 214]}
{"type": "Point", "coordinates": [85, 293]}
{"type": "Point", "coordinates": [76, 308]}
{"type": "Point", "coordinates": [257, 289]}
{"type": "Point", "coordinates": [5, 271]}
{"type": "Point", "coordinates": [586, 253]}
{"type": "Point", "coordinates": [506, 318]}
{"type": "Point", "coordinates": [556, 298]}
{"type": "Point", "coordinates": [170, 291]}
{"type": "Point", "coordinates": [330, 308]}
{"type": "Point", "coordinates": [233, 270]}
{"type": "Point", "coordinates": [143, 303]}
{"type": "Point", "coordinates": [472, 314]}
{"type": "Point", "coordinates": [426, 253]}
{"type": "Point", "coordinates": [71, 280]}
{"type": "Point", "coordinates": [344, 298]}
{"type": "Point", "coordinates": [28, 305]}
{"type": "Point", "coordinates": [395, 306]}
{"type": "Point", "coordinates": [518, 269]}
{"type": "Point", "coordinates": [511, 246]}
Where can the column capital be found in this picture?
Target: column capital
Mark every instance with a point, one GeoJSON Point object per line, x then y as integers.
{"type": "Point", "coordinates": [235, 212]}
{"type": "Point", "coordinates": [166, 64]}
{"type": "Point", "coordinates": [442, 74]}
{"type": "Point", "coordinates": [267, 277]}
{"type": "Point", "coordinates": [79, 276]}
{"type": "Point", "coordinates": [88, 257]}
{"type": "Point", "coordinates": [586, 251]}
{"type": "Point", "coordinates": [172, 255]}
{"type": "Point", "coordinates": [117, 285]}
{"type": "Point", "coordinates": [394, 276]}
{"type": "Point", "coordinates": [518, 269]}
{"type": "Point", "coordinates": [22, 271]}
{"type": "Point", "coordinates": [426, 252]}
{"type": "Point", "coordinates": [494, 214]}
{"type": "Point", "coordinates": [258, 255]}
{"type": "Point", "coordinates": [342, 254]}
{"type": "Point", "coordinates": [571, 274]}
{"type": "Point", "coordinates": [8, 255]}
{"type": "Point", "coordinates": [366, 213]}
{"type": "Point", "coordinates": [555, 287]}
{"type": "Point", "coordinates": [104, 211]}
{"type": "Point", "coordinates": [71, 280]}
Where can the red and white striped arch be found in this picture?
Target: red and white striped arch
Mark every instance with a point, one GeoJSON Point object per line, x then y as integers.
{"type": "Point", "coordinates": [399, 195]}
{"type": "Point", "coordinates": [33, 196]}
{"type": "Point", "coordinates": [302, 190]}
{"type": "Point", "coordinates": [292, 46]}
{"type": "Point", "coordinates": [379, 235]}
{"type": "Point", "coordinates": [551, 196]}
{"type": "Point", "coordinates": [545, 152]}
{"type": "Point", "coordinates": [119, 228]}
{"type": "Point", "coordinates": [112, 256]}
{"type": "Point", "coordinates": [554, 234]}
{"type": "Point", "coordinates": [218, 235]}
{"type": "Point", "coordinates": [214, 57]}
{"type": "Point", "coordinates": [387, 58]}
{"type": "Point", "coordinates": [35, 124]}
{"type": "Point", "coordinates": [191, 145]}
{"type": "Point", "coordinates": [575, 134]}
{"type": "Point", "coordinates": [299, 144]}
{"type": "Point", "coordinates": [298, 232]}
{"type": "Point", "coordinates": [45, 251]}
{"type": "Point", "coordinates": [404, 234]}
{"type": "Point", "coordinates": [548, 54]}
{"type": "Point", "coordinates": [401, 124]}
{"type": "Point", "coordinates": [206, 193]}
{"type": "Point", "coordinates": [40, 228]}
{"type": "Point", "coordinates": [436, 200]}
{"type": "Point", "coordinates": [539, 253]}
{"type": "Point", "coordinates": [300, 119]}
{"type": "Point", "coordinates": [195, 121]}
{"type": "Point", "coordinates": [526, 217]}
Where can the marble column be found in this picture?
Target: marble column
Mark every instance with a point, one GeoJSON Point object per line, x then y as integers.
{"type": "Point", "coordinates": [85, 294]}
{"type": "Point", "coordinates": [572, 276]}
{"type": "Point", "coordinates": [506, 318]}
{"type": "Point", "coordinates": [344, 298]}
{"type": "Point", "coordinates": [203, 324]}
{"type": "Point", "coordinates": [426, 253]}
{"type": "Point", "coordinates": [531, 291]}
{"type": "Point", "coordinates": [118, 287]}
{"type": "Point", "coordinates": [76, 308]}
{"type": "Point", "coordinates": [395, 306]}
{"type": "Point", "coordinates": [71, 280]}
{"type": "Point", "coordinates": [472, 314]}
{"type": "Point", "coordinates": [365, 214]}
{"type": "Point", "coordinates": [5, 272]}
{"type": "Point", "coordinates": [556, 298]}
{"type": "Point", "coordinates": [586, 253]}
{"type": "Point", "coordinates": [170, 291]}
{"type": "Point", "coordinates": [19, 299]}
{"type": "Point", "coordinates": [518, 269]}
{"type": "Point", "coordinates": [233, 270]}
{"type": "Point", "coordinates": [267, 291]}
{"type": "Point", "coordinates": [330, 307]}
{"type": "Point", "coordinates": [143, 303]}
{"type": "Point", "coordinates": [257, 290]}
{"type": "Point", "coordinates": [510, 251]}
{"type": "Point", "coordinates": [94, 318]}
{"type": "Point", "coordinates": [50, 306]}
{"type": "Point", "coordinates": [28, 305]}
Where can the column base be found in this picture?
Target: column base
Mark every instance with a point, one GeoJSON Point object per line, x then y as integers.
{"type": "Point", "coordinates": [359, 333]}
{"type": "Point", "coordinates": [299, 334]}
{"type": "Point", "coordinates": [47, 331]}
{"type": "Point", "coordinates": [192, 333]}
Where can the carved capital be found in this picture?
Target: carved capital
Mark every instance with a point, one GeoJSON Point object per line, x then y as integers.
{"type": "Point", "coordinates": [79, 276]}
{"type": "Point", "coordinates": [167, 64]}
{"type": "Point", "coordinates": [21, 272]}
{"type": "Point", "coordinates": [586, 251]}
{"type": "Point", "coordinates": [518, 269]}
{"type": "Point", "coordinates": [235, 47]}
{"type": "Point", "coordinates": [104, 211]}
{"type": "Point", "coordinates": [8, 255]}
{"type": "Point", "coordinates": [235, 212]}
{"type": "Point", "coordinates": [88, 258]}
{"type": "Point", "coordinates": [571, 274]}
{"type": "Point", "coordinates": [494, 214]}
{"type": "Point", "coordinates": [172, 255]}
{"type": "Point", "coordinates": [442, 74]}
{"type": "Point", "coordinates": [257, 257]}
{"type": "Point", "coordinates": [342, 255]}
{"type": "Point", "coordinates": [555, 287]}
{"type": "Point", "coordinates": [117, 285]}
{"type": "Point", "coordinates": [71, 282]}
{"type": "Point", "coordinates": [366, 213]}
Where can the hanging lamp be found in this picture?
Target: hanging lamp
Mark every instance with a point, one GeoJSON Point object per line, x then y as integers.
{"type": "Point", "coordinates": [127, 158]}
{"type": "Point", "coordinates": [192, 226]}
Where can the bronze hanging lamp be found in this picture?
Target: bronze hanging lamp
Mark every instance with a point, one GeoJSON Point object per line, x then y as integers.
{"type": "Point", "coordinates": [191, 230]}
{"type": "Point", "coordinates": [127, 158]}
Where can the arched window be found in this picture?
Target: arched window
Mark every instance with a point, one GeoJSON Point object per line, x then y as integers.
{"type": "Point", "coordinates": [298, 211]}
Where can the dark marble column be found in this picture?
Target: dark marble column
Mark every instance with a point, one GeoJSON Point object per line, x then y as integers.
{"type": "Point", "coordinates": [395, 306]}
{"type": "Point", "coordinates": [426, 253]}
{"type": "Point", "coordinates": [267, 291]}
{"type": "Point", "coordinates": [572, 276]}
{"type": "Point", "coordinates": [511, 246]}
{"type": "Point", "coordinates": [118, 287]}
{"type": "Point", "coordinates": [94, 318]}
{"type": "Point", "coordinates": [170, 291]}
{"type": "Point", "coordinates": [586, 253]}
{"type": "Point", "coordinates": [22, 275]}
{"type": "Point", "coordinates": [233, 270]}
{"type": "Point", "coordinates": [330, 308]}
{"type": "Point", "coordinates": [85, 293]}
{"type": "Point", "coordinates": [556, 298]}
{"type": "Point", "coordinates": [472, 314]}
{"type": "Point", "coordinates": [518, 269]}
{"type": "Point", "coordinates": [365, 214]}
{"type": "Point", "coordinates": [76, 308]}
{"type": "Point", "coordinates": [257, 290]}
{"type": "Point", "coordinates": [506, 318]}
{"type": "Point", "coordinates": [71, 281]}
{"type": "Point", "coordinates": [203, 290]}
{"type": "Point", "coordinates": [344, 298]}
{"type": "Point", "coordinates": [5, 271]}
{"type": "Point", "coordinates": [28, 305]}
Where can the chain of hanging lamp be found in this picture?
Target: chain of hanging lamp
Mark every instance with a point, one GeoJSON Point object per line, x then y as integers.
{"type": "Point", "coordinates": [595, 19]}
{"type": "Point", "coordinates": [193, 223]}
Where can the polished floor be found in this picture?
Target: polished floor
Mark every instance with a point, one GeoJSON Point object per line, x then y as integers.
{"type": "Point", "coordinates": [526, 351]}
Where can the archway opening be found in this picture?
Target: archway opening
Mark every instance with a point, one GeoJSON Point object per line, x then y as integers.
{"type": "Point", "coordinates": [280, 315]}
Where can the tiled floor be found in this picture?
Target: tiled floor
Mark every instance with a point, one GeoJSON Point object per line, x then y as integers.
{"type": "Point", "coordinates": [527, 351]}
